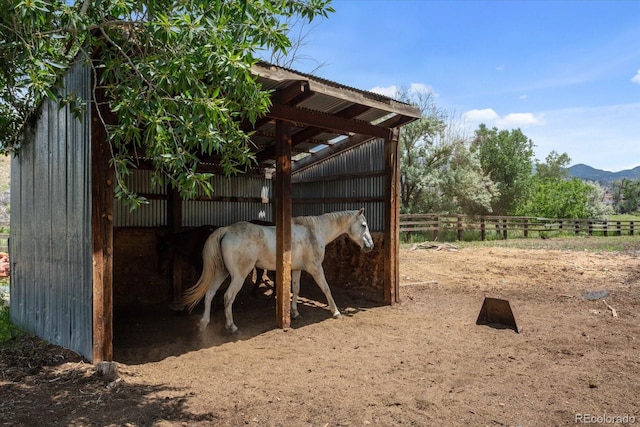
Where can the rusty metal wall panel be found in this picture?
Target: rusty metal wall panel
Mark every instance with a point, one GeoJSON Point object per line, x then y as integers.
{"type": "Point", "coordinates": [198, 212]}
{"type": "Point", "coordinates": [331, 183]}
{"type": "Point", "coordinates": [221, 213]}
{"type": "Point", "coordinates": [153, 214]}
{"type": "Point", "coordinates": [51, 278]}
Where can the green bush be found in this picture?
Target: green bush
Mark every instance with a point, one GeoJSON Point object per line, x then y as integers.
{"type": "Point", "coordinates": [7, 330]}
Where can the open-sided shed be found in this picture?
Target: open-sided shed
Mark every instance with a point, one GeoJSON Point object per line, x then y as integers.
{"type": "Point", "coordinates": [322, 147]}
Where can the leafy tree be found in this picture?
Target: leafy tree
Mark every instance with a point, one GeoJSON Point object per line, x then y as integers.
{"type": "Point", "coordinates": [465, 188]}
{"type": "Point", "coordinates": [626, 195]}
{"type": "Point", "coordinates": [555, 167]}
{"type": "Point", "coordinates": [507, 157]}
{"type": "Point", "coordinates": [596, 207]}
{"type": "Point", "coordinates": [178, 74]}
{"type": "Point", "coordinates": [554, 195]}
{"type": "Point", "coordinates": [558, 199]}
{"type": "Point", "coordinates": [422, 152]}
{"type": "Point", "coordinates": [438, 172]}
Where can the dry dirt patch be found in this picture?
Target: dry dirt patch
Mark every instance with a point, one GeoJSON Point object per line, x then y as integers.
{"type": "Point", "coordinates": [420, 362]}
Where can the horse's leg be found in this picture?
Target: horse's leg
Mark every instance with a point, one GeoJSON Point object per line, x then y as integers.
{"type": "Point", "coordinates": [295, 285]}
{"type": "Point", "coordinates": [229, 297]}
{"type": "Point", "coordinates": [208, 298]}
{"type": "Point", "coordinates": [239, 273]}
{"type": "Point", "coordinates": [318, 275]}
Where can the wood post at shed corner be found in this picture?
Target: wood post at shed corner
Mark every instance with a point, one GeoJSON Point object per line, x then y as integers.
{"type": "Point", "coordinates": [102, 237]}
{"type": "Point", "coordinates": [392, 219]}
{"type": "Point", "coordinates": [283, 223]}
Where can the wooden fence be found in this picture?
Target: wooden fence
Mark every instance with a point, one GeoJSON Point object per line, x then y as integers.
{"type": "Point", "coordinates": [504, 225]}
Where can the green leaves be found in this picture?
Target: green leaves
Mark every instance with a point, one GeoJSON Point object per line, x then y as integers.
{"type": "Point", "coordinates": [507, 156]}
{"type": "Point", "coordinates": [177, 75]}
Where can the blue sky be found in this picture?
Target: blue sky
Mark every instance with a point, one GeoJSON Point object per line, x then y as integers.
{"type": "Point", "coordinates": [567, 73]}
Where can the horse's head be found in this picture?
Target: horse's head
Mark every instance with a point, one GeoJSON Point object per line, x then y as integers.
{"type": "Point", "coordinates": [359, 232]}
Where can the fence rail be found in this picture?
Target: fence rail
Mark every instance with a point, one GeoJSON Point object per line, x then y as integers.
{"type": "Point", "coordinates": [504, 225]}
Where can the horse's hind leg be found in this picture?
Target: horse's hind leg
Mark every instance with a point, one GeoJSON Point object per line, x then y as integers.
{"type": "Point", "coordinates": [208, 298]}
{"type": "Point", "coordinates": [237, 281]}
{"type": "Point", "coordinates": [295, 286]}
{"type": "Point", "coordinates": [318, 276]}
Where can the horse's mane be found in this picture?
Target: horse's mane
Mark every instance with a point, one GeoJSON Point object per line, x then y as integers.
{"type": "Point", "coordinates": [310, 221]}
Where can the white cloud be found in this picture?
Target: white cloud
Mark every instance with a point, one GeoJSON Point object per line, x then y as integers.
{"type": "Point", "coordinates": [389, 91]}
{"type": "Point", "coordinates": [486, 116]}
{"type": "Point", "coordinates": [523, 97]}
{"type": "Point", "coordinates": [489, 117]}
{"type": "Point", "coordinates": [515, 120]}
{"type": "Point", "coordinates": [636, 78]}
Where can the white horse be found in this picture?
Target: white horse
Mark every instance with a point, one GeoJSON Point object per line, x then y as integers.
{"type": "Point", "coordinates": [236, 249]}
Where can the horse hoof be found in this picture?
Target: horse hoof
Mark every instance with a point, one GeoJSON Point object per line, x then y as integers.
{"type": "Point", "coordinates": [232, 329]}
{"type": "Point", "coordinates": [337, 315]}
{"type": "Point", "coordinates": [202, 325]}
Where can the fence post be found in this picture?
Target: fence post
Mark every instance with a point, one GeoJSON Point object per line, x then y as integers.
{"type": "Point", "coordinates": [504, 229]}
{"type": "Point", "coordinates": [590, 228]}
{"type": "Point", "coordinates": [459, 219]}
{"type": "Point", "coordinates": [605, 228]}
{"type": "Point", "coordinates": [618, 228]}
{"type": "Point", "coordinates": [483, 229]}
{"type": "Point", "coordinates": [630, 228]}
{"type": "Point", "coordinates": [576, 227]}
{"type": "Point", "coordinates": [526, 227]}
{"type": "Point", "coordinates": [560, 225]}
{"type": "Point", "coordinates": [437, 229]}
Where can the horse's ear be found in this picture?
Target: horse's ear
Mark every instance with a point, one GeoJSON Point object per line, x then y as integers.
{"type": "Point", "coordinates": [361, 211]}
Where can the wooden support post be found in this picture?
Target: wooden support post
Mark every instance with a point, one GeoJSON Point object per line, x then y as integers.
{"type": "Point", "coordinates": [392, 218]}
{"type": "Point", "coordinates": [174, 223]}
{"type": "Point", "coordinates": [483, 229]}
{"type": "Point", "coordinates": [526, 227]}
{"type": "Point", "coordinates": [459, 226]}
{"type": "Point", "coordinates": [283, 224]}
{"type": "Point", "coordinates": [102, 240]}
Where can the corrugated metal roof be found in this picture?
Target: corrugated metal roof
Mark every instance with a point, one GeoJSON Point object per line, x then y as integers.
{"type": "Point", "coordinates": [323, 110]}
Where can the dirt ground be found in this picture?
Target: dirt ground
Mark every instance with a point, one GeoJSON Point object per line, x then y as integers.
{"type": "Point", "coordinates": [422, 362]}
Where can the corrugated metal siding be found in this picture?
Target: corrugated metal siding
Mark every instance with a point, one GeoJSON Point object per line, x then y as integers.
{"type": "Point", "coordinates": [367, 157]}
{"type": "Point", "coordinates": [198, 212]}
{"type": "Point", "coordinates": [51, 277]}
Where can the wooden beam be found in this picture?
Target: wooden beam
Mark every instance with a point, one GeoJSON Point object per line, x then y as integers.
{"type": "Point", "coordinates": [102, 240]}
{"type": "Point", "coordinates": [392, 219]}
{"type": "Point", "coordinates": [311, 131]}
{"type": "Point", "coordinates": [174, 222]}
{"type": "Point", "coordinates": [283, 224]}
{"type": "Point", "coordinates": [326, 121]}
{"type": "Point", "coordinates": [292, 94]}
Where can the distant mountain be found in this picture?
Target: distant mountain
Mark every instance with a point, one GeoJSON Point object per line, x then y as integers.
{"type": "Point", "coordinates": [603, 177]}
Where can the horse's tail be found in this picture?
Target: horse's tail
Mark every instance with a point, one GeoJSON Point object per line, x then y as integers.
{"type": "Point", "coordinates": [212, 261]}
